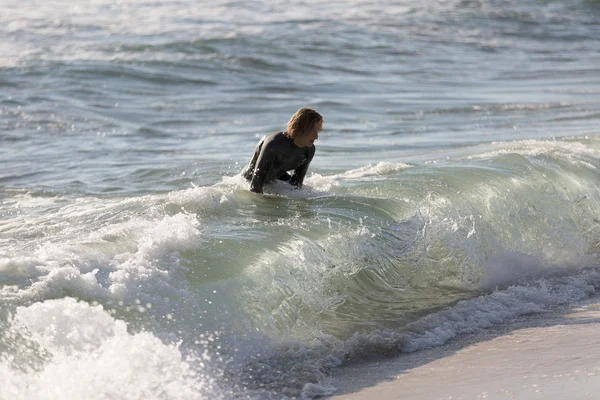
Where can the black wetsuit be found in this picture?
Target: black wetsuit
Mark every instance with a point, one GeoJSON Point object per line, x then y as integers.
{"type": "Point", "coordinates": [274, 155]}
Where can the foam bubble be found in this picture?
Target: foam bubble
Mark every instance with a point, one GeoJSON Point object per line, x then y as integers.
{"type": "Point", "coordinates": [322, 183]}
{"type": "Point", "coordinates": [473, 315]}
{"type": "Point", "coordinates": [90, 355]}
{"type": "Point", "coordinates": [373, 172]}
{"type": "Point", "coordinates": [135, 260]}
{"type": "Point", "coordinates": [26, 200]}
{"type": "Point", "coordinates": [212, 197]}
{"type": "Point", "coordinates": [571, 152]}
{"type": "Point", "coordinates": [312, 390]}
{"type": "Point", "coordinates": [381, 168]}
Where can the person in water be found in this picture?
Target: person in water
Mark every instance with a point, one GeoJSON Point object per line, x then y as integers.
{"type": "Point", "coordinates": [278, 153]}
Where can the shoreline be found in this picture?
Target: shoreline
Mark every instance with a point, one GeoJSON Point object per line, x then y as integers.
{"type": "Point", "coordinates": [551, 355]}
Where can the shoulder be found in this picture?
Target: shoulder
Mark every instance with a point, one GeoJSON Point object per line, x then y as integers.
{"type": "Point", "coordinates": [275, 136]}
{"type": "Point", "coordinates": [271, 138]}
{"type": "Point", "coordinates": [277, 140]}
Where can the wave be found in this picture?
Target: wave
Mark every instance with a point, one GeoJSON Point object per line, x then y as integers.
{"type": "Point", "coordinates": [75, 349]}
{"type": "Point", "coordinates": [384, 258]}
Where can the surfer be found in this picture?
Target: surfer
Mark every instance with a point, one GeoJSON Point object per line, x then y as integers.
{"type": "Point", "coordinates": [278, 153]}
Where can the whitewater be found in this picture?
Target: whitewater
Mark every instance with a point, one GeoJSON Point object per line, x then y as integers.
{"type": "Point", "coordinates": [454, 188]}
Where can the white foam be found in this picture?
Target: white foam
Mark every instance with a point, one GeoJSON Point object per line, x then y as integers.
{"type": "Point", "coordinates": [312, 390]}
{"type": "Point", "coordinates": [371, 171]}
{"type": "Point", "coordinates": [571, 152]}
{"type": "Point", "coordinates": [482, 312]}
{"type": "Point", "coordinates": [381, 168]}
{"type": "Point", "coordinates": [322, 184]}
{"type": "Point", "coordinates": [234, 182]}
{"type": "Point", "coordinates": [212, 197]}
{"type": "Point", "coordinates": [26, 200]}
{"type": "Point", "coordinates": [20, 267]}
{"type": "Point", "coordinates": [90, 355]}
{"type": "Point", "coordinates": [144, 263]}
{"type": "Point", "coordinates": [158, 246]}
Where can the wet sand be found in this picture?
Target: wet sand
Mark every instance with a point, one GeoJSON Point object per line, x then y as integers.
{"type": "Point", "coordinates": [554, 355]}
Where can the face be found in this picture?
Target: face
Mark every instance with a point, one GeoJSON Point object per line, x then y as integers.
{"type": "Point", "coordinates": [309, 138]}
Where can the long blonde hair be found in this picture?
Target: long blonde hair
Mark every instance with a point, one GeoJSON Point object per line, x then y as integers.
{"type": "Point", "coordinates": [302, 121]}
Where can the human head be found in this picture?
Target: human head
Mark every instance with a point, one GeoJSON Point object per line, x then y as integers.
{"type": "Point", "coordinates": [305, 122]}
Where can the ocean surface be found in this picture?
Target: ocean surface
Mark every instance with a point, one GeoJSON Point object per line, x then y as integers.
{"type": "Point", "coordinates": [455, 187]}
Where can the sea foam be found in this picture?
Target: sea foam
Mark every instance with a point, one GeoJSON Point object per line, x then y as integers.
{"type": "Point", "coordinates": [87, 354]}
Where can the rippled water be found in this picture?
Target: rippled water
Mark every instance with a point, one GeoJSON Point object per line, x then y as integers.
{"type": "Point", "coordinates": [454, 187]}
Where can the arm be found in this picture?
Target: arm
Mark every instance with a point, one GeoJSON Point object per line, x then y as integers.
{"type": "Point", "coordinates": [263, 164]}
{"type": "Point", "coordinates": [249, 171]}
{"type": "Point", "coordinates": [300, 172]}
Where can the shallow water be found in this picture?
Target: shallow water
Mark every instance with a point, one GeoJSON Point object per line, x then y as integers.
{"type": "Point", "coordinates": [454, 187]}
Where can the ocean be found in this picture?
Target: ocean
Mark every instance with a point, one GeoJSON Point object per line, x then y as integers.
{"type": "Point", "coordinates": [454, 187]}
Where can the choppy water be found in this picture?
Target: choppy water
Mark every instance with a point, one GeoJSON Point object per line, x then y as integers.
{"type": "Point", "coordinates": [455, 187]}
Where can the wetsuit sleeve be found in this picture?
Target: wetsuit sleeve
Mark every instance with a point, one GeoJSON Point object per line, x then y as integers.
{"type": "Point", "coordinates": [264, 162]}
{"type": "Point", "coordinates": [249, 171]}
{"type": "Point", "coordinates": [300, 172]}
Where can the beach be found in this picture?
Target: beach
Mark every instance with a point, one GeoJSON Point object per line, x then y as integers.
{"type": "Point", "coordinates": [548, 356]}
{"type": "Point", "coordinates": [441, 244]}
